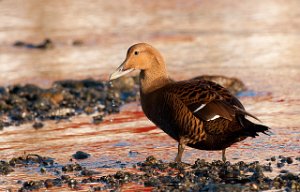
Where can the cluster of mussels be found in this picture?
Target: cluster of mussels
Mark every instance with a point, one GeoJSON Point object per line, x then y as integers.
{"type": "Point", "coordinates": [160, 176]}
{"type": "Point", "coordinates": [29, 103]}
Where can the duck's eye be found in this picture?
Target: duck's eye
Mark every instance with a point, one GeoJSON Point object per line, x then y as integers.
{"type": "Point", "coordinates": [136, 52]}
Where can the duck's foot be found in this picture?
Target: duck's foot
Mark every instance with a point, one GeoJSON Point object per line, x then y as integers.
{"type": "Point", "coordinates": [181, 147]}
{"type": "Point", "coordinates": [223, 155]}
{"type": "Point", "coordinates": [178, 159]}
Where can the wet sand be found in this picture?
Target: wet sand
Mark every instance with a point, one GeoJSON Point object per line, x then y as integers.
{"type": "Point", "coordinates": [255, 41]}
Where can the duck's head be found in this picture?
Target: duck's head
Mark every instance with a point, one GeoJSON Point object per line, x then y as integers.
{"type": "Point", "coordinates": [141, 56]}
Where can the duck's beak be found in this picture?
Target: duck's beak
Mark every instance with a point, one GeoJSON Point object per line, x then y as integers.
{"type": "Point", "coordinates": [119, 72]}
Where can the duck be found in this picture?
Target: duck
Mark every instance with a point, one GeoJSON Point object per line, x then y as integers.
{"type": "Point", "coordinates": [196, 113]}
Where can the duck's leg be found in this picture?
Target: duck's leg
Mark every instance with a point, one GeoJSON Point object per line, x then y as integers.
{"type": "Point", "coordinates": [223, 155]}
{"type": "Point", "coordinates": [181, 147]}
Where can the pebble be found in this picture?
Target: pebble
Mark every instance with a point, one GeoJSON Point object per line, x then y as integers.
{"type": "Point", "coordinates": [38, 125]}
{"type": "Point", "coordinates": [81, 155]}
{"type": "Point", "coordinates": [71, 167]}
{"type": "Point", "coordinates": [73, 184]}
{"type": "Point", "coordinates": [46, 44]}
{"type": "Point", "coordinates": [98, 119]}
{"type": "Point", "coordinates": [5, 168]}
{"type": "Point", "coordinates": [289, 160]}
{"type": "Point", "coordinates": [280, 165]}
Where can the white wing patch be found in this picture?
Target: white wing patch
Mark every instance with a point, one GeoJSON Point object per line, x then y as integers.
{"type": "Point", "coordinates": [214, 117]}
{"type": "Point", "coordinates": [199, 108]}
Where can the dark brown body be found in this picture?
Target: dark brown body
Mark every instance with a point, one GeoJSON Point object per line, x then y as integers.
{"type": "Point", "coordinates": [168, 109]}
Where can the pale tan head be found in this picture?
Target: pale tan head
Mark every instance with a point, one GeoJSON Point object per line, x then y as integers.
{"type": "Point", "coordinates": [141, 56]}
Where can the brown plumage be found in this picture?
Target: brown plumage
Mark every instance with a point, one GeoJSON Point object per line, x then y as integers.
{"type": "Point", "coordinates": [197, 113]}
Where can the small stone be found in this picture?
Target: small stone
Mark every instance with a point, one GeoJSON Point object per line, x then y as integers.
{"type": "Point", "coordinates": [294, 185]}
{"type": "Point", "coordinates": [289, 160]}
{"type": "Point", "coordinates": [5, 168]}
{"type": "Point", "coordinates": [38, 125]}
{"type": "Point", "coordinates": [254, 187]}
{"type": "Point", "coordinates": [284, 171]}
{"type": "Point", "coordinates": [89, 110]}
{"type": "Point", "coordinates": [279, 165]}
{"type": "Point", "coordinates": [97, 119]}
{"type": "Point", "coordinates": [86, 172]}
{"type": "Point", "coordinates": [1, 125]}
{"type": "Point", "coordinates": [48, 183]}
{"type": "Point", "coordinates": [71, 167]}
{"type": "Point", "coordinates": [133, 153]}
{"type": "Point", "coordinates": [65, 177]}
{"type": "Point", "coordinates": [73, 184]}
{"type": "Point", "coordinates": [77, 42]}
{"type": "Point", "coordinates": [277, 184]}
{"type": "Point", "coordinates": [43, 170]}
{"type": "Point", "coordinates": [283, 159]}
{"type": "Point", "coordinates": [81, 155]}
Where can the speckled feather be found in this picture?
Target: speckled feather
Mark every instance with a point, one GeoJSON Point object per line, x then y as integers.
{"type": "Point", "coordinates": [171, 108]}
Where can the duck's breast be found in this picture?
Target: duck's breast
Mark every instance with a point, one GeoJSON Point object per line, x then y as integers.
{"type": "Point", "coordinates": [159, 109]}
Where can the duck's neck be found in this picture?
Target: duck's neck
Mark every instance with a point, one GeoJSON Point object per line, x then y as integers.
{"type": "Point", "coordinates": [153, 79]}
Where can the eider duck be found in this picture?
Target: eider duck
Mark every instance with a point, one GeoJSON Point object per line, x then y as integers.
{"type": "Point", "coordinates": [197, 113]}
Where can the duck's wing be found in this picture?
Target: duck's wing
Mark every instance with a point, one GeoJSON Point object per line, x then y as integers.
{"type": "Point", "coordinates": [208, 101]}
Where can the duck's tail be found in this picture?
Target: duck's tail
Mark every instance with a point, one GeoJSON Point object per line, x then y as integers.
{"type": "Point", "coordinates": [251, 129]}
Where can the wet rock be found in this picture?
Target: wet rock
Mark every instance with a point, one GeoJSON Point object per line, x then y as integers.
{"type": "Point", "coordinates": [46, 44]}
{"type": "Point", "coordinates": [77, 43]}
{"type": "Point", "coordinates": [73, 184]}
{"type": "Point", "coordinates": [86, 172]}
{"type": "Point", "coordinates": [124, 83]}
{"type": "Point", "coordinates": [133, 153]}
{"type": "Point", "coordinates": [43, 170]}
{"type": "Point", "coordinates": [284, 171]}
{"type": "Point", "coordinates": [89, 110]}
{"type": "Point", "coordinates": [1, 125]}
{"type": "Point", "coordinates": [71, 167]}
{"type": "Point", "coordinates": [49, 183]}
{"type": "Point", "coordinates": [124, 177]}
{"type": "Point", "coordinates": [289, 160]}
{"type": "Point", "coordinates": [92, 188]}
{"type": "Point", "coordinates": [5, 168]}
{"type": "Point", "coordinates": [81, 155]}
{"type": "Point", "coordinates": [280, 165]}
{"type": "Point", "coordinates": [32, 185]}
{"type": "Point", "coordinates": [254, 187]}
{"type": "Point", "coordinates": [234, 85]}
{"type": "Point", "coordinates": [152, 182]}
{"type": "Point", "coordinates": [98, 119]}
{"type": "Point", "coordinates": [61, 113]}
{"type": "Point", "coordinates": [283, 159]}
{"type": "Point", "coordinates": [31, 159]}
{"type": "Point", "coordinates": [65, 178]}
{"type": "Point", "coordinates": [38, 125]}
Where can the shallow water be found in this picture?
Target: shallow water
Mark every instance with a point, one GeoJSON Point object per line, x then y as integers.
{"type": "Point", "coordinates": [256, 41]}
